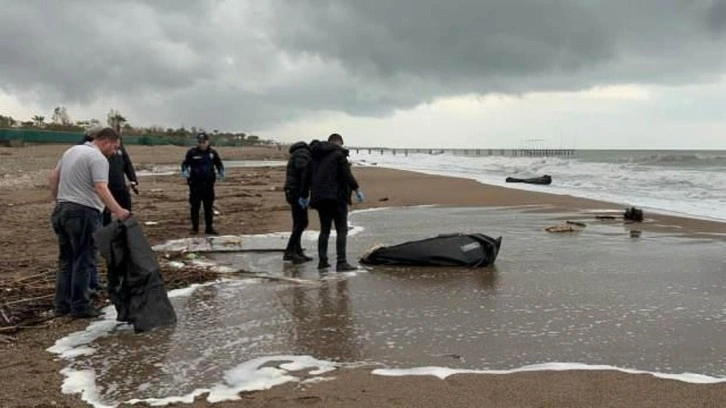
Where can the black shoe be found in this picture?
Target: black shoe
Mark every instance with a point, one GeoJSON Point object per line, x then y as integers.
{"type": "Point", "coordinates": [60, 313]}
{"type": "Point", "coordinates": [87, 314]}
{"type": "Point", "coordinates": [297, 259]}
{"type": "Point", "coordinates": [211, 231]}
{"type": "Point", "coordinates": [194, 231]}
{"type": "Point", "coordinates": [307, 258]}
{"type": "Point", "coordinates": [344, 267]}
{"type": "Point", "coordinates": [323, 264]}
{"type": "Point", "coordinates": [94, 293]}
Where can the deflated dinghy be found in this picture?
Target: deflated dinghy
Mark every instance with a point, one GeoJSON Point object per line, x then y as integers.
{"type": "Point", "coordinates": [544, 180]}
{"type": "Point", "coordinates": [473, 250]}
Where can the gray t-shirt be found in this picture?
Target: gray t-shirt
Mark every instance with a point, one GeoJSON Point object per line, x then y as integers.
{"type": "Point", "coordinates": [80, 167]}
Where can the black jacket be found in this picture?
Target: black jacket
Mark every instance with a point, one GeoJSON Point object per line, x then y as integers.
{"type": "Point", "coordinates": [118, 165]}
{"type": "Point", "coordinates": [331, 178]}
{"type": "Point", "coordinates": [298, 172]}
{"type": "Point", "coordinates": [201, 165]}
{"type": "Point", "coordinates": [134, 280]}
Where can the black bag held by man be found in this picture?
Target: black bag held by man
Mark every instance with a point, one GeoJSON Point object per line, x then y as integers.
{"type": "Point", "coordinates": [134, 280]}
{"type": "Point", "coordinates": [473, 250]}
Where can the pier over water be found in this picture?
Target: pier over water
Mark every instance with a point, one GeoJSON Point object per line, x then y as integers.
{"type": "Point", "coordinates": [467, 152]}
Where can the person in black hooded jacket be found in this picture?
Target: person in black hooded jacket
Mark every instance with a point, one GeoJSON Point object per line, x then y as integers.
{"type": "Point", "coordinates": [296, 187]}
{"type": "Point", "coordinates": [120, 168]}
{"type": "Point", "coordinates": [330, 194]}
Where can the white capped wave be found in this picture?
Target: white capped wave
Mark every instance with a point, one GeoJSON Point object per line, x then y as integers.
{"type": "Point", "coordinates": [694, 192]}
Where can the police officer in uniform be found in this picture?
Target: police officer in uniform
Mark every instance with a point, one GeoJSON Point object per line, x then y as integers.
{"type": "Point", "coordinates": [199, 170]}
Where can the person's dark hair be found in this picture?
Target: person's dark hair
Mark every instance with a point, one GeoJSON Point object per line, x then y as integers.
{"type": "Point", "coordinates": [335, 138]}
{"type": "Point", "coordinates": [107, 133]}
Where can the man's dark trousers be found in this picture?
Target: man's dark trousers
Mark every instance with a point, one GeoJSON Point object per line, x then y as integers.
{"type": "Point", "coordinates": [74, 225]}
{"type": "Point", "coordinates": [333, 212]}
{"type": "Point", "coordinates": [299, 223]}
{"type": "Point", "coordinates": [202, 193]}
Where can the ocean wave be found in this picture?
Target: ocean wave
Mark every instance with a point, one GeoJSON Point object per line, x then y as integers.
{"type": "Point", "coordinates": [655, 180]}
{"type": "Point", "coordinates": [677, 159]}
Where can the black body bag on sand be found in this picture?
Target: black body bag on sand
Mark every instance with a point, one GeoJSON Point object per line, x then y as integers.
{"type": "Point", "coordinates": [473, 250]}
{"type": "Point", "coordinates": [134, 281]}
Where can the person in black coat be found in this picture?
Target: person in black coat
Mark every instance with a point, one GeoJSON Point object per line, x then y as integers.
{"type": "Point", "coordinates": [119, 167]}
{"type": "Point", "coordinates": [330, 194]}
{"type": "Point", "coordinates": [297, 187]}
{"type": "Point", "coordinates": [198, 168]}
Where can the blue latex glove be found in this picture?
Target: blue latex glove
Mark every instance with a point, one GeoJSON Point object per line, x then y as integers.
{"type": "Point", "coordinates": [359, 195]}
{"type": "Point", "coordinates": [185, 173]}
{"type": "Point", "coordinates": [303, 202]}
{"type": "Point", "coordinates": [221, 175]}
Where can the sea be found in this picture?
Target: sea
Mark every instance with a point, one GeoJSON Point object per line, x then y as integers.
{"type": "Point", "coordinates": [689, 183]}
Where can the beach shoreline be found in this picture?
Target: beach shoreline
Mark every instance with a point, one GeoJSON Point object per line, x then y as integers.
{"type": "Point", "coordinates": [251, 203]}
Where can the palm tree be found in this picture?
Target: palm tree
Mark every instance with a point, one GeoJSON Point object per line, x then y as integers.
{"type": "Point", "coordinates": [39, 121]}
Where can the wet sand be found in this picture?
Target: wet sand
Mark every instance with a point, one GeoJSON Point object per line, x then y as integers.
{"type": "Point", "coordinates": [251, 205]}
{"type": "Point", "coordinates": [601, 307]}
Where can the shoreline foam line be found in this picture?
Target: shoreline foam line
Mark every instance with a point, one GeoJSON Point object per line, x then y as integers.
{"type": "Point", "coordinates": [252, 376]}
{"type": "Point", "coordinates": [76, 344]}
{"type": "Point", "coordinates": [444, 372]}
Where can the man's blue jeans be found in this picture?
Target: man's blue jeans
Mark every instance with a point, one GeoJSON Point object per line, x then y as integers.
{"type": "Point", "coordinates": [74, 225]}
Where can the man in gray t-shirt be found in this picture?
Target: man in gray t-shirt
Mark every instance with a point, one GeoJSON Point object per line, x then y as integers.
{"type": "Point", "coordinates": [79, 185]}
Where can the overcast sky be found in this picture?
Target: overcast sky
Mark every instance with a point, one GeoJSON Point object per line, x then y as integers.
{"type": "Point", "coordinates": [430, 73]}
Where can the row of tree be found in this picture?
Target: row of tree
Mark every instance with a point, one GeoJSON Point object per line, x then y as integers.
{"type": "Point", "coordinates": [61, 121]}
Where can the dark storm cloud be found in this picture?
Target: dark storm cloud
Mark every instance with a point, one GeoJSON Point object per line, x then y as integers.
{"type": "Point", "coordinates": [500, 44]}
{"type": "Point", "coordinates": [256, 63]}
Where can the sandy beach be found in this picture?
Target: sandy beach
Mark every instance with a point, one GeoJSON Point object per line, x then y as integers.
{"type": "Point", "coordinates": [251, 202]}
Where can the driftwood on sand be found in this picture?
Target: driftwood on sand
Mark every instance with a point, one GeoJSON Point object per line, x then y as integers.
{"type": "Point", "coordinates": [543, 180]}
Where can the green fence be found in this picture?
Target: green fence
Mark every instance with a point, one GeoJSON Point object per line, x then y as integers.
{"type": "Point", "coordinates": [32, 136]}
{"type": "Point", "coordinates": [39, 136]}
